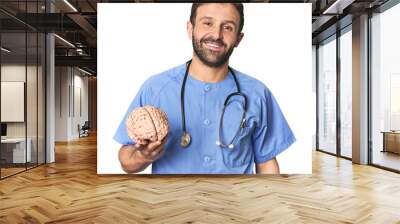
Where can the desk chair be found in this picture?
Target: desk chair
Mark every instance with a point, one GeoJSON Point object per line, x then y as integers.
{"type": "Point", "coordinates": [84, 130]}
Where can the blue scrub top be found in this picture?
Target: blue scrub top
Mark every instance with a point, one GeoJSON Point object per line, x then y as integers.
{"type": "Point", "coordinates": [265, 135]}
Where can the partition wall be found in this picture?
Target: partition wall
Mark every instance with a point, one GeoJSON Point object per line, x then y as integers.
{"type": "Point", "coordinates": [23, 87]}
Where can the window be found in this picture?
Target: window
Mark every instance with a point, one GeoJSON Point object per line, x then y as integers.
{"type": "Point", "coordinates": [385, 88]}
{"type": "Point", "coordinates": [346, 93]}
{"type": "Point", "coordinates": [327, 96]}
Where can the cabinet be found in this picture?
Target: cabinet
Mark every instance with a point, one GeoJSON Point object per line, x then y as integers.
{"type": "Point", "coordinates": [391, 141]}
{"type": "Point", "coordinates": [13, 150]}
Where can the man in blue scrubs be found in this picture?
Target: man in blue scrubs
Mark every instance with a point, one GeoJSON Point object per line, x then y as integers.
{"type": "Point", "coordinates": [215, 30]}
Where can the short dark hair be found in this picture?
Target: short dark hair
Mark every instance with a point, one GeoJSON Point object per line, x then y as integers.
{"type": "Point", "coordinates": [238, 7]}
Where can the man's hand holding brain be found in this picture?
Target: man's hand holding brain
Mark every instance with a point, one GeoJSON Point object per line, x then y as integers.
{"type": "Point", "coordinates": [148, 127]}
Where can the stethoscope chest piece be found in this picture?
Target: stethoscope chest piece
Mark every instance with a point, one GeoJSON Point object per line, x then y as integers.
{"type": "Point", "coordinates": [220, 144]}
{"type": "Point", "coordinates": [185, 140]}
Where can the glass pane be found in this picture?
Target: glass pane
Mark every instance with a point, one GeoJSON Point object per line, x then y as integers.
{"type": "Point", "coordinates": [327, 96]}
{"type": "Point", "coordinates": [386, 89]}
{"type": "Point", "coordinates": [346, 94]}
{"type": "Point", "coordinates": [22, 88]}
{"type": "Point", "coordinates": [31, 84]}
{"type": "Point", "coordinates": [31, 100]}
{"type": "Point", "coordinates": [13, 86]}
{"type": "Point", "coordinates": [41, 98]}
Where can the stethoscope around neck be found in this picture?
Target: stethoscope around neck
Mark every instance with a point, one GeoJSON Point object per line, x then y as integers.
{"type": "Point", "coordinates": [186, 138]}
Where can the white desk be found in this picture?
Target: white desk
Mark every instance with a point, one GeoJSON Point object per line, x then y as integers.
{"type": "Point", "coordinates": [19, 149]}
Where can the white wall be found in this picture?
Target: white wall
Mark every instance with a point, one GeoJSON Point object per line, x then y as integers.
{"type": "Point", "coordinates": [80, 83]}
{"type": "Point", "coordinates": [17, 72]}
{"type": "Point", "coordinates": [70, 83]}
{"type": "Point", "coordinates": [34, 124]}
{"type": "Point", "coordinates": [12, 73]}
{"type": "Point", "coordinates": [61, 103]}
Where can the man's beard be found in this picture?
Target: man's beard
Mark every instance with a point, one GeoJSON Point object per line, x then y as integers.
{"type": "Point", "coordinates": [209, 57]}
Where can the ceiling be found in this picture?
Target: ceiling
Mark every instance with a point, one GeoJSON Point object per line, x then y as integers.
{"type": "Point", "coordinates": [76, 22]}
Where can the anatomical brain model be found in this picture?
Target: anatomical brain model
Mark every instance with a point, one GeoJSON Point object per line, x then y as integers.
{"type": "Point", "coordinates": [147, 124]}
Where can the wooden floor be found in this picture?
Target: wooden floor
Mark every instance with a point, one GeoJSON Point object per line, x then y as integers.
{"type": "Point", "coordinates": [70, 191]}
{"type": "Point", "coordinates": [10, 171]}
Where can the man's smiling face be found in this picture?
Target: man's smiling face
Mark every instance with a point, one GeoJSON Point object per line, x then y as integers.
{"type": "Point", "coordinates": [215, 33]}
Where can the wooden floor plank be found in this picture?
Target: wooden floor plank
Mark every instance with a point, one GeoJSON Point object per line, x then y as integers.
{"type": "Point", "coordinates": [70, 191]}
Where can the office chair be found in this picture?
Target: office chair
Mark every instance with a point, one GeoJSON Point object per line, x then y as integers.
{"type": "Point", "coordinates": [84, 130]}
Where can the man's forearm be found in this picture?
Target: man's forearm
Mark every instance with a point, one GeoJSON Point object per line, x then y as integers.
{"type": "Point", "coordinates": [269, 167]}
{"type": "Point", "coordinates": [130, 161]}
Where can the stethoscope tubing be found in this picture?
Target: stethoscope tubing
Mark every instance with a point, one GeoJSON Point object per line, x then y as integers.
{"type": "Point", "coordinates": [186, 139]}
